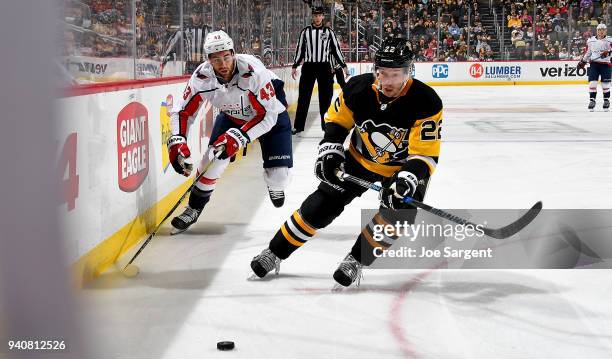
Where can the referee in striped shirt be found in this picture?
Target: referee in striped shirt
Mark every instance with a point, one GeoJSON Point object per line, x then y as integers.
{"type": "Point", "coordinates": [193, 36]}
{"type": "Point", "coordinates": [317, 43]}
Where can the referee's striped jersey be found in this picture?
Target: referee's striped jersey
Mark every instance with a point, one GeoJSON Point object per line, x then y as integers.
{"type": "Point", "coordinates": [193, 39]}
{"type": "Point", "coordinates": [317, 44]}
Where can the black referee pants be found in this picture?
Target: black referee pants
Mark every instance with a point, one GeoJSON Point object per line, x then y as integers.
{"type": "Point", "coordinates": [323, 75]}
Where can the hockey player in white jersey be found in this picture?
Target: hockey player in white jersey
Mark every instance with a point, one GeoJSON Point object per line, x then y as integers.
{"type": "Point", "coordinates": [598, 53]}
{"type": "Point", "coordinates": [252, 105]}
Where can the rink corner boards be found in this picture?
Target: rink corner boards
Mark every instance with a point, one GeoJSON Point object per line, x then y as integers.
{"type": "Point", "coordinates": [107, 252]}
{"type": "Point", "coordinates": [104, 255]}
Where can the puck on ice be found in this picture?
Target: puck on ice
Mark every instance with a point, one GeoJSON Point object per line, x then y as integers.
{"type": "Point", "coordinates": [225, 345]}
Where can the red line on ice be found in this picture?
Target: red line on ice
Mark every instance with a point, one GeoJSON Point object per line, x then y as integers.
{"type": "Point", "coordinates": [395, 315]}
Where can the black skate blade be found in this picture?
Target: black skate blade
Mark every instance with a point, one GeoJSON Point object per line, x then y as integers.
{"type": "Point", "coordinates": [278, 203]}
{"type": "Point", "coordinates": [342, 279]}
{"type": "Point", "coordinates": [258, 269]}
{"type": "Point", "coordinates": [174, 231]}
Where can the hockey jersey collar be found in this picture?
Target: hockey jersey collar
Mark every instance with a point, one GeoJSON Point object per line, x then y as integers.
{"type": "Point", "coordinates": [205, 72]}
{"type": "Point", "coordinates": [242, 70]}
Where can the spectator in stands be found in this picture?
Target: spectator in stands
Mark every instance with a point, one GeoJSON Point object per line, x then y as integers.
{"type": "Point", "coordinates": [418, 29]}
{"type": "Point", "coordinates": [576, 54]}
{"type": "Point", "coordinates": [514, 22]}
{"type": "Point", "coordinates": [430, 51]}
{"type": "Point", "coordinates": [528, 35]}
{"type": "Point", "coordinates": [448, 42]}
{"type": "Point", "coordinates": [454, 30]}
{"type": "Point", "coordinates": [517, 34]}
{"type": "Point", "coordinates": [477, 29]}
{"type": "Point", "coordinates": [552, 54]}
{"type": "Point", "coordinates": [526, 19]}
{"type": "Point", "coordinates": [586, 8]}
{"type": "Point", "coordinates": [558, 23]}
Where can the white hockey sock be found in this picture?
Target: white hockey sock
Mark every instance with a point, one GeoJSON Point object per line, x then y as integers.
{"type": "Point", "coordinates": [277, 178]}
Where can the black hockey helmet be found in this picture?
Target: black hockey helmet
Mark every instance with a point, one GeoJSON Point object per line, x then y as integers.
{"type": "Point", "coordinates": [394, 52]}
{"type": "Point", "coordinates": [318, 10]}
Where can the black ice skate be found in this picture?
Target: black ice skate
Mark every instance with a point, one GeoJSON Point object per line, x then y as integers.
{"type": "Point", "coordinates": [592, 105]}
{"type": "Point", "coordinates": [277, 197]}
{"type": "Point", "coordinates": [185, 220]}
{"type": "Point", "coordinates": [348, 271]}
{"type": "Point", "coordinates": [606, 105]}
{"type": "Point", "coordinates": [263, 263]}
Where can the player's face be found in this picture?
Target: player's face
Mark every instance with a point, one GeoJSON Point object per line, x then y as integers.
{"type": "Point", "coordinates": [317, 19]}
{"type": "Point", "coordinates": [392, 80]}
{"type": "Point", "coordinates": [601, 33]}
{"type": "Point", "coordinates": [223, 63]}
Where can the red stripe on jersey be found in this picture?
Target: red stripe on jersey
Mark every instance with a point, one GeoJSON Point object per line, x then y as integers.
{"type": "Point", "coordinates": [207, 181]}
{"type": "Point", "coordinates": [260, 113]}
{"type": "Point", "coordinates": [188, 110]}
{"type": "Point", "coordinates": [234, 119]}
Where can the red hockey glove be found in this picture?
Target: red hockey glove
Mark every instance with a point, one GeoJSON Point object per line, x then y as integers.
{"type": "Point", "coordinates": [229, 143]}
{"type": "Point", "coordinates": [180, 155]}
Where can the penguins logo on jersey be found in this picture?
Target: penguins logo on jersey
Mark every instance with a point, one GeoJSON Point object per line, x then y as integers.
{"type": "Point", "coordinates": [384, 142]}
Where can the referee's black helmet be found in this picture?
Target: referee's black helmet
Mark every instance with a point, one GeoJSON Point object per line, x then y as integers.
{"type": "Point", "coordinates": [318, 10]}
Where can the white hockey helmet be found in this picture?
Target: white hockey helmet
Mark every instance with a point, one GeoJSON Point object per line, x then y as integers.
{"type": "Point", "coordinates": [218, 41]}
{"type": "Point", "coordinates": [602, 26]}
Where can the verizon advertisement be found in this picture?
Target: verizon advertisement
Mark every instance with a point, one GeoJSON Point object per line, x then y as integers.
{"type": "Point", "coordinates": [567, 70]}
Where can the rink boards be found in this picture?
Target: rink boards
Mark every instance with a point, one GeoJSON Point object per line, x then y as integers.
{"type": "Point", "coordinates": [112, 160]}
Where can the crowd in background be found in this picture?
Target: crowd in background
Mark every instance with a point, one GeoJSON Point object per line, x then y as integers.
{"type": "Point", "coordinates": [440, 30]}
{"type": "Point", "coordinates": [559, 30]}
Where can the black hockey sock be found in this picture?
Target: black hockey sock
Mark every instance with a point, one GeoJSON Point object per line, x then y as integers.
{"type": "Point", "coordinates": [369, 244]}
{"type": "Point", "coordinates": [593, 95]}
{"type": "Point", "coordinates": [199, 198]}
{"type": "Point", "coordinates": [363, 250]}
{"type": "Point", "coordinates": [606, 94]}
{"type": "Point", "coordinates": [291, 236]}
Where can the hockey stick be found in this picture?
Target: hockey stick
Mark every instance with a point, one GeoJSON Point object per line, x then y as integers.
{"type": "Point", "coordinates": [498, 233]}
{"type": "Point", "coordinates": [146, 242]}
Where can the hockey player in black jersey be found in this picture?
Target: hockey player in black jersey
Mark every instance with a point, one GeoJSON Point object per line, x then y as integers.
{"type": "Point", "coordinates": [394, 125]}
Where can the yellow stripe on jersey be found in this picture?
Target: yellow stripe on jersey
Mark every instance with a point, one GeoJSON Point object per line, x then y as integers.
{"type": "Point", "coordinates": [383, 170]}
{"type": "Point", "coordinates": [305, 226]}
{"type": "Point", "coordinates": [289, 237]}
{"type": "Point", "coordinates": [340, 114]}
{"type": "Point", "coordinates": [371, 240]}
{"type": "Point", "coordinates": [424, 139]}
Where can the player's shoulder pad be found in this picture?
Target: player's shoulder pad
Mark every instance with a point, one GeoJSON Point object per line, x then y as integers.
{"type": "Point", "coordinates": [248, 65]}
{"type": "Point", "coordinates": [425, 97]}
{"type": "Point", "coordinates": [204, 72]}
{"type": "Point", "coordinates": [356, 85]}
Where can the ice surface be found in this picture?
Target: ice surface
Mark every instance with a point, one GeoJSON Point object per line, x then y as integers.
{"type": "Point", "coordinates": [504, 147]}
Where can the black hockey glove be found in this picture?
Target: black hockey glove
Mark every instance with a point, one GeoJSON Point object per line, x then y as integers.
{"type": "Point", "coordinates": [395, 188]}
{"type": "Point", "coordinates": [331, 158]}
{"type": "Point", "coordinates": [581, 64]}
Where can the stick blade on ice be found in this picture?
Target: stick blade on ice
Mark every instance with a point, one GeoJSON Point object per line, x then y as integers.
{"type": "Point", "coordinates": [516, 226]}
